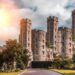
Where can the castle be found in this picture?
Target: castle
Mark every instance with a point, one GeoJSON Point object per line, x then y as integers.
{"type": "Point", "coordinates": [45, 46]}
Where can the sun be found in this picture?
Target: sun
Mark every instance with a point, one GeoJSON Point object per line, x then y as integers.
{"type": "Point", "coordinates": [5, 18]}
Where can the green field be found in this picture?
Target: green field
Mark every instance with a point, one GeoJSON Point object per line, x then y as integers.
{"type": "Point", "coordinates": [66, 72]}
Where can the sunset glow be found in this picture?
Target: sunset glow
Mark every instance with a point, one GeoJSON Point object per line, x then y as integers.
{"type": "Point", "coordinates": [6, 13]}
{"type": "Point", "coordinates": [5, 18]}
{"type": "Point", "coordinates": [8, 20]}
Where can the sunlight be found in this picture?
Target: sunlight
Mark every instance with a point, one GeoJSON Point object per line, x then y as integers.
{"type": "Point", "coordinates": [5, 18]}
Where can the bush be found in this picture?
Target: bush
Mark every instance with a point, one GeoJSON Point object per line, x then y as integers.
{"type": "Point", "coordinates": [20, 65]}
{"type": "Point", "coordinates": [64, 64]}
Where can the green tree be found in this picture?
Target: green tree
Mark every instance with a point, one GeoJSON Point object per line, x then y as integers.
{"type": "Point", "coordinates": [15, 56]}
{"type": "Point", "coordinates": [73, 58]}
{"type": "Point", "coordinates": [1, 59]}
{"type": "Point", "coordinates": [68, 63]}
{"type": "Point", "coordinates": [57, 63]}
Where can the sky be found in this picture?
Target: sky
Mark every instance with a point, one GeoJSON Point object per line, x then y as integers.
{"type": "Point", "coordinates": [36, 10]}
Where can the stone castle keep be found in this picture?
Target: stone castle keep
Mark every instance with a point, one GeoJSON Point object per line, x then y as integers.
{"type": "Point", "coordinates": [44, 46]}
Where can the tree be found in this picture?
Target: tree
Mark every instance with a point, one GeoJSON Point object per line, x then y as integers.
{"type": "Point", "coordinates": [73, 37]}
{"type": "Point", "coordinates": [1, 59]}
{"type": "Point", "coordinates": [57, 63]}
{"type": "Point", "coordinates": [15, 56]}
{"type": "Point", "coordinates": [68, 64]}
{"type": "Point", "coordinates": [73, 58]}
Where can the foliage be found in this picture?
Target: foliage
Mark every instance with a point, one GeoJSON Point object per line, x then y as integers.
{"type": "Point", "coordinates": [73, 38]}
{"type": "Point", "coordinates": [73, 58]}
{"type": "Point", "coordinates": [1, 60]}
{"type": "Point", "coordinates": [14, 56]}
{"type": "Point", "coordinates": [49, 45]}
{"type": "Point", "coordinates": [61, 63]}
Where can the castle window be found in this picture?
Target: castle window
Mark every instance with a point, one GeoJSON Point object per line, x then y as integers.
{"type": "Point", "coordinates": [28, 44]}
{"type": "Point", "coordinates": [55, 36]}
{"type": "Point", "coordinates": [43, 52]}
{"type": "Point", "coordinates": [70, 44]}
{"type": "Point", "coordinates": [70, 50]}
{"type": "Point", "coordinates": [28, 39]}
{"type": "Point", "coordinates": [55, 29]}
{"type": "Point", "coordinates": [28, 32]}
{"type": "Point", "coordinates": [70, 38]}
{"type": "Point", "coordinates": [43, 46]}
{"type": "Point", "coordinates": [55, 42]}
{"type": "Point", "coordinates": [55, 48]}
{"type": "Point", "coordinates": [30, 23]}
{"type": "Point", "coordinates": [43, 41]}
{"type": "Point", "coordinates": [36, 52]}
{"type": "Point", "coordinates": [63, 37]}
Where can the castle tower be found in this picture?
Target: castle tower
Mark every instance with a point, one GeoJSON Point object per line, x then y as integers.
{"type": "Point", "coordinates": [65, 42]}
{"type": "Point", "coordinates": [25, 35]}
{"type": "Point", "coordinates": [52, 31]}
{"type": "Point", "coordinates": [73, 25]}
{"type": "Point", "coordinates": [38, 45]}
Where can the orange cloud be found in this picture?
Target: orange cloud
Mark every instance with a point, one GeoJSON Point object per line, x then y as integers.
{"type": "Point", "coordinates": [9, 19]}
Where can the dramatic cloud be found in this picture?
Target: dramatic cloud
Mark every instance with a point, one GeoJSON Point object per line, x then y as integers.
{"type": "Point", "coordinates": [45, 8]}
{"type": "Point", "coordinates": [37, 11]}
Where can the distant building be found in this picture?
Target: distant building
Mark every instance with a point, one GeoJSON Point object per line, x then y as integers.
{"type": "Point", "coordinates": [65, 42]}
{"type": "Point", "coordinates": [39, 45]}
{"type": "Point", "coordinates": [25, 35]}
{"type": "Point", "coordinates": [52, 31]}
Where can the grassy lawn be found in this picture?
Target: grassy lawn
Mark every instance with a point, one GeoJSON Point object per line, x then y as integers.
{"type": "Point", "coordinates": [10, 73]}
{"type": "Point", "coordinates": [66, 72]}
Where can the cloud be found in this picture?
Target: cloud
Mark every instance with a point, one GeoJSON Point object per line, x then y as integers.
{"type": "Point", "coordinates": [70, 5]}
{"type": "Point", "coordinates": [46, 8]}
{"type": "Point", "coordinates": [40, 10]}
{"type": "Point", "coordinates": [37, 11]}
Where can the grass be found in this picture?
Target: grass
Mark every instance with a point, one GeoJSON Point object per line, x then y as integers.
{"type": "Point", "coordinates": [65, 72]}
{"type": "Point", "coordinates": [13, 73]}
{"type": "Point", "coordinates": [9, 73]}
